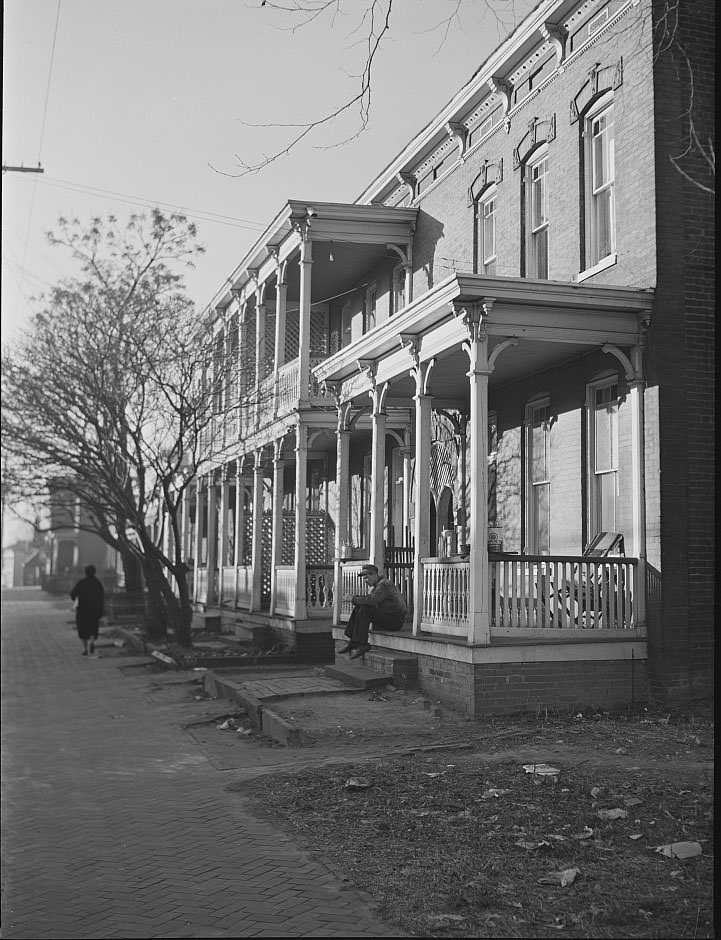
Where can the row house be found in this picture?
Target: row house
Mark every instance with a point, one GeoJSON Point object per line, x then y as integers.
{"type": "Point", "coordinates": [491, 376]}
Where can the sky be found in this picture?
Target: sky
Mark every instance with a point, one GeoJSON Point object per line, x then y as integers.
{"type": "Point", "coordinates": [127, 104]}
{"type": "Point", "coordinates": [131, 104]}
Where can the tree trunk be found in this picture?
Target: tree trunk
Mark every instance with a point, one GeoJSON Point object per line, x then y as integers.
{"type": "Point", "coordinates": [133, 572]}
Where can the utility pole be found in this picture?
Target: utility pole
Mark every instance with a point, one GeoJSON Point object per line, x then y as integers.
{"type": "Point", "coordinates": [22, 169]}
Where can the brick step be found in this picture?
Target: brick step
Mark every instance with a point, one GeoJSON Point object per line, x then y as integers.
{"type": "Point", "coordinates": [358, 676]}
{"type": "Point", "coordinates": [402, 668]}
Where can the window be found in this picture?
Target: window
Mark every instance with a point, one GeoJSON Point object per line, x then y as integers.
{"type": "Point", "coordinates": [600, 185]}
{"type": "Point", "coordinates": [539, 478]}
{"type": "Point", "coordinates": [603, 459]}
{"type": "Point", "coordinates": [398, 298]}
{"type": "Point", "coordinates": [486, 233]}
{"type": "Point", "coordinates": [369, 310]}
{"type": "Point", "coordinates": [537, 217]}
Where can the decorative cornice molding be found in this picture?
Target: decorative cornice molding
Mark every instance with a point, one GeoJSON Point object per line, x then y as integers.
{"type": "Point", "coordinates": [491, 171]}
{"type": "Point", "coordinates": [557, 35]}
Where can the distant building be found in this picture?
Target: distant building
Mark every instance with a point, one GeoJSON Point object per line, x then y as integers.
{"type": "Point", "coordinates": [491, 375]}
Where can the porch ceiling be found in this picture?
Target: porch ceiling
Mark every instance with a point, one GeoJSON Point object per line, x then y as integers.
{"type": "Point", "coordinates": [548, 323]}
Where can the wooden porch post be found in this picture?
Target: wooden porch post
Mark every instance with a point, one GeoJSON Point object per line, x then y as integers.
{"type": "Point", "coordinates": [342, 476]}
{"type": "Point", "coordinates": [239, 524]}
{"type": "Point", "coordinates": [474, 315]}
{"type": "Point", "coordinates": [301, 499]}
{"type": "Point", "coordinates": [277, 524]}
{"type": "Point", "coordinates": [638, 480]}
{"type": "Point", "coordinates": [256, 585]}
{"type": "Point", "coordinates": [198, 534]}
{"type": "Point", "coordinates": [378, 463]}
{"type": "Point", "coordinates": [212, 539]}
{"type": "Point", "coordinates": [281, 291]}
{"type": "Point", "coordinates": [223, 553]}
{"type": "Point", "coordinates": [306, 263]}
{"type": "Point", "coordinates": [422, 524]}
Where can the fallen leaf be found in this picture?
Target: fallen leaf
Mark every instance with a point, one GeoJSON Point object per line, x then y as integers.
{"type": "Point", "coordinates": [615, 813]}
{"type": "Point", "coordinates": [636, 835]}
{"type": "Point", "coordinates": [541, 770]}
{"type": "Point", "coordinates": [562, 878]}
{"type": "Point", "coordinates": [357, 783]}
{"type": "Point", "coordinates": [680, 849]}
{"type": "Point", "coordinates": [493, 793]}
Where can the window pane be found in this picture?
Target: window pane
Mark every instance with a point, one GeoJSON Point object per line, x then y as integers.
{"type": "Point", "coordinates": [606, 502]}
{"type": "Point", "coordinates": [538, 195]}
{"type": "Point", "coordinates": [489, 230]}
{"type": "Point", "coordinates": [540, 254]}
{"type": "Point", "coordinates": [541, 517]}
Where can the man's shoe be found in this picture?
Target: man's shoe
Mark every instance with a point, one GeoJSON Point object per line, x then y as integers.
{"type": "Point", "coordinates": [360, 651]}
{"type": "Point", "coordinates": [347, 648]}
{"type": "Point", "coordinates": [92, 647]}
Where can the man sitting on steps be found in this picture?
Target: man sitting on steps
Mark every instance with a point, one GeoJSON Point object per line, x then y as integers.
{"type": "Point", "coordinates": [384, 608]}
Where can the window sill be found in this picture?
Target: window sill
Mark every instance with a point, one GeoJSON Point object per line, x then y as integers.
{"type": "Point", "coordinates": [607, 262]}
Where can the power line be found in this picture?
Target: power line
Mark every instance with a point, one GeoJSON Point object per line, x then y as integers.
{"type": "Point", "coordinates": [47, 90]}
{"type": "Point", "coordinates": [203, 214]}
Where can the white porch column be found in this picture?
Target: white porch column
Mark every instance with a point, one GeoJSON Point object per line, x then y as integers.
{"type": "Point", "coordinates": [257, 550]}
{"type": "Point", "coordinates": [306, 263]}
{"type": "Point", "coordinates": [281, 292]}
{"type": "Point", "coordinates": [223, 552]}
{"type": "Point", "coordinates": [198, 534]}
{"type": "Point", "coordinates": [406, 454]}
{"type": "Point", "coordinates": [212, 541]}
{"type": "Point", "coordinates": [479, 627]}
{"type": "Point", "coordinates": [239, 523]}
{"type": "Point", "coordinates": [378, 463]}
{"type": "Point", "coordinates": [421, 372]}
{"type": "Point", "coordinates": [260, 323]}
{"type": "Point", "coordinates": [342, 481]}
{"type": "Point", "coordinates": [277, 524]}
{"type": "Point", "coordinates": [301, 499]}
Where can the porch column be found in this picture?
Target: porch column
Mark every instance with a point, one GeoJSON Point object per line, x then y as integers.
{"type": "Point", "coordinates": [638, 482]}
{"type": "Point", "coordinates": [260, 319]}
{"type": "Point", "coordinates": [474, 315]}
{"type": "Point", "coordinates": [406, 454]}
{"type": "Point", "coordinates": [342, 480]}
{"type": "Point", "coordinates": [257, 550]}
{"type": "Point", "coordinates": [378, 462]}
{"type": "Point", "coordinates": [198, 534]}
{"type": "Point", "coordinates": [421, 523]}
{"type": "Point", "coordinates": [301, 499]}
{"type": "Point", "coordinates": [277, 524]}
{"type": "Point", "coordinates": [281, 292]}
{"type": "Point", "coordinates": [223, 553]}
{"type": "Point", "coordinates": [239, 524]}
{"type": "Point", "coordinates": [212, 540]}
{"type": "Point", "coordinates": [306, 263]}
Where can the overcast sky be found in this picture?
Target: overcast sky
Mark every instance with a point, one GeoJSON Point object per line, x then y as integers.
{"type": "Point", "coordinates": [132, 103]}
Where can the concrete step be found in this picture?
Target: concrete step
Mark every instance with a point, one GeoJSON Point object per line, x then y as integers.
{"type": "Point", "coordinates": [401, 667]}
{"type": "Point", "coordinates": [356, 675]}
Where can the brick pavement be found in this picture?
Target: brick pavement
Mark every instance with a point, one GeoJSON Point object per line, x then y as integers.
{"type": "Point", "coordinates": [116, 824]}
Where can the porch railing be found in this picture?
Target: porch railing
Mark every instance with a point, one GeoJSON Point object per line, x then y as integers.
{"type": "Point", "coordinates": [319, 590]}
{"type": "Point", "coordinates": [563, 591]}
{"type": "Point", "coordinates": [288, 387]}
{"type": "Point", "coordinates": [285, 590]}
{"type": "Point", "coordinates": [446, 586]}
{"type": "Point", "coordinates": [350, 583]}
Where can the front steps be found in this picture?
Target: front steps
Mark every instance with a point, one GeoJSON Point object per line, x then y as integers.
{"type": "Point", "coordinates": [399, 668]}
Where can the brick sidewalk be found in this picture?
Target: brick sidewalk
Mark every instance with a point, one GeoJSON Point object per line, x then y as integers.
{"type": "Point", "coordinates": [115, 824]}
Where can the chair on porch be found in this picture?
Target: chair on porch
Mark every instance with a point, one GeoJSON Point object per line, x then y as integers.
{"type": "Point", "coordinates": [588, 596]}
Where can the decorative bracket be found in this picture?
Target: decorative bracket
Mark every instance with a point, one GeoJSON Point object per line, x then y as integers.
{"type": "Point", "coordinates": [499, 348]}
{"type": "Point", "coordinates": [459, 133]}
{"type": "Point", "coordinates": [407, 179]}
{"type": "Point", "coordinates": [557, 35]}
{"type": "Point", "coordinates": [491, 171]}
{"type": "Point", "coordinates": [503, 88]}
{"type": "Point", "coordinates": [399, 251]}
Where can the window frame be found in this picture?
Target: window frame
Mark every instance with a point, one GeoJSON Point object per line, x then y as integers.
{"type": "Point", "coordinates": [533, 486]}
{"type": "Point", "coordinates": [597, 478]}
{"type": "Point", "coordinates": [486, 264]}
{"type": "Point", "coordinates": [536, 234]}
{"type": "Point", "coordinates": [593, 258]}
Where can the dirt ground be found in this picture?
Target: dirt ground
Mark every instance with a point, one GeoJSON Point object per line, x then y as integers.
{"type": "Point", "coordinates": [585, 825]}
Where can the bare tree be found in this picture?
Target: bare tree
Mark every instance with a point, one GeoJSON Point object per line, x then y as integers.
{"type": "Point", "coordinates": [111, 398]}
{"type": "Point", "coordinates": [371, 25]}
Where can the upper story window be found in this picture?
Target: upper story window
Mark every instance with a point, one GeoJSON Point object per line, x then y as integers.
{"type": "Point", "coordinates": [486, 232]}
{"type": "Point", "coordinates": [398, 289]}
{"type": "Point", "coordinates": [369, 310]}
{"type": "Point", "coordinates": [537, 221]}
{"type": "Point", "coordinates": [600, 177]}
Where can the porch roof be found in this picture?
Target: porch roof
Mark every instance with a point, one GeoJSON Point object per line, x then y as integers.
{"type": "Point", "coordinates": [547, 321]}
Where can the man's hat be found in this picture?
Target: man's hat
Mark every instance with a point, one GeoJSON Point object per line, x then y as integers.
{"type": "Point", "coordinates": [368, 569]}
